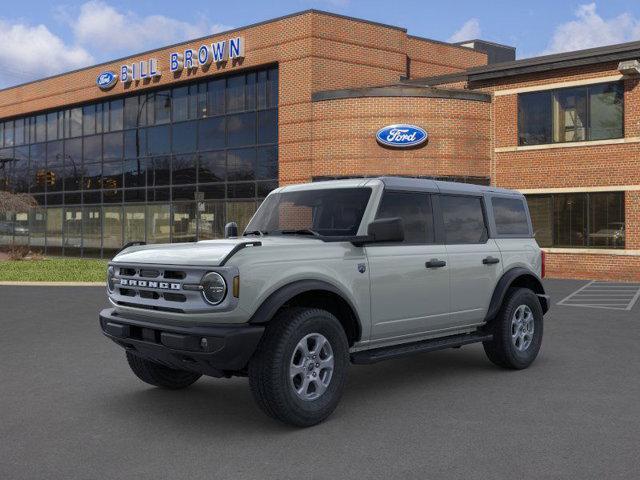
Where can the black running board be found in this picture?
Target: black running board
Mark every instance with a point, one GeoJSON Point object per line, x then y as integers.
{"type": "Point", "coordinates": [396, 351]}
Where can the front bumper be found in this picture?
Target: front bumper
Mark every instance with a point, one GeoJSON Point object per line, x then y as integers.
{"type": "Point", "coordinates": [215, 350]}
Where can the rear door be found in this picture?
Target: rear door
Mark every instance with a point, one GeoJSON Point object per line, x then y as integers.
{"type": "Point", "coordinates": [474, 258]}
{"type": "Point", "coordinates": [409, 280]}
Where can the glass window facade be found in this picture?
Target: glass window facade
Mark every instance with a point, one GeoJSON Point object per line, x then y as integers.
{"type": "Point", "coordinates": [163, 166]}
{"type": "Point", "coordinates": [578, 220]}
{"type": "Point", "coordinates": [594, 112]}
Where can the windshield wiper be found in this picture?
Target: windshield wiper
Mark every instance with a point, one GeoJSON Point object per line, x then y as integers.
{"type": "Point", "coordinates": [301, 231]}
{"type": "Point", "coordinates": [259, 233]}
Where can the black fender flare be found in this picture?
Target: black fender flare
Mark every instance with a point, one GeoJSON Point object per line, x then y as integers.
{"type": "Point", "coordinates": [508, 278]}
{"type": "Point", "coordinates": [280, 297]}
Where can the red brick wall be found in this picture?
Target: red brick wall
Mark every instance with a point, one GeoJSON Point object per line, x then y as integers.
{"type": "Point", "coordinates": [344, 137]}
{"type": "Point", "coordinates": [429, 58]}
{"type": "Point", "coordinates": [632, 217]}
{"type": "Point", "coordinates": [593, 266]}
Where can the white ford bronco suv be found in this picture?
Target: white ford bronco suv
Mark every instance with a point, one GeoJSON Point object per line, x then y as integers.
{"type": "Point", "coordinates": [329, 273]}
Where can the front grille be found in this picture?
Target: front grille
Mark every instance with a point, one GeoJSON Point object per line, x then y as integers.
{"type": "Point", "coordinates": [153, 287]}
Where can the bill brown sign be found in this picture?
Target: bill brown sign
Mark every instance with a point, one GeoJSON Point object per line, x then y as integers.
{"type": "Point", "coordinates": [189, 59]}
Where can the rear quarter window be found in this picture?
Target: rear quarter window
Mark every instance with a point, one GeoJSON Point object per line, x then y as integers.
{"type": "Point", "coordinates": [510, 215]}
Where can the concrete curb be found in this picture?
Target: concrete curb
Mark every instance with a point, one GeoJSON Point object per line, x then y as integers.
{"type": "Point", "coordinates": [54, 284]}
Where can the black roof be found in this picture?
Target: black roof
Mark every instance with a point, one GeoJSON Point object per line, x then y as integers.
{"type": "Point", "coordinates": [590, 56]}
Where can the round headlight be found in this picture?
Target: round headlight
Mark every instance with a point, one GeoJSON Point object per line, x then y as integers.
{"type": "Point", "coordinates": [214, 288]}
{"type": "Point", "coordinates": [110, 281]}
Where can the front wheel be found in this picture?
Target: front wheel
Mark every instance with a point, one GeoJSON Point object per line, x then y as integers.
{"type": "Point", "coordinates": [299, 370]}
{"type": "Point", "coordinates": [517, 330]}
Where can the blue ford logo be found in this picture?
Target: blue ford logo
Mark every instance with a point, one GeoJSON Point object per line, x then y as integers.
{"type": "Point", "coordinates": [401, 136]}
{"type": "Point", "coordinates": [106, 80]}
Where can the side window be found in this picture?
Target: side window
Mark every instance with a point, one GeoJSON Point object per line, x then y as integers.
{"type": "Point", "coordinates": [415, 211]}
{"type": "Point", "coordinates": [510, 215]}
{"type": "Point", "coordinates": [463, 219]}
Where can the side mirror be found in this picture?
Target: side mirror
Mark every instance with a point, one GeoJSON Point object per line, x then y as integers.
{"type": "Point", "coordinates": [386, 230]}
{"type": "Point", "coordinates": [231, 230]}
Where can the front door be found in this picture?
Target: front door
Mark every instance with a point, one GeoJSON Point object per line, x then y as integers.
{"type": "Point", "coordinates": [409, 280]}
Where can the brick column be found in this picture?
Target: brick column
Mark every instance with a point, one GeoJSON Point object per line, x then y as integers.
{"type": "Point", "coordinates": [632, 220]}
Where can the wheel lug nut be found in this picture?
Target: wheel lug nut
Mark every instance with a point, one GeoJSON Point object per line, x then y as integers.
{"type": "Point", "coordinates": [317, 365]}
{"type": "Point", "coordinates": [313, 374]}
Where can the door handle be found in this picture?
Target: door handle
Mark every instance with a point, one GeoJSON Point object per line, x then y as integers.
{"type": "Point", "coordinates": [435, 263]}
{"type": "Point", "coordinates": [490, 260]}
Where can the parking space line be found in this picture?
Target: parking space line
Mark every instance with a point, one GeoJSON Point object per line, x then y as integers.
{"type": "Point", "coordinates": [613, 296]}
{"type": "Point", "coordinates": [576, 292]}
{"type": "Point", "coordinates": [634, 300]}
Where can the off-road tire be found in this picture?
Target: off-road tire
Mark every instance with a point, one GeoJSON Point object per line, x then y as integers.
{"type": "Point", "coordinates": [501, 350]}
{"type": "Point", "coordinates": [159, 375]}
{"type": "Point", "coordinates": [269, 374]}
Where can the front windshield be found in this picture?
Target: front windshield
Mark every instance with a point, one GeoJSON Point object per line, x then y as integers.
{"type": "Point", "coordinates": [325, 212]}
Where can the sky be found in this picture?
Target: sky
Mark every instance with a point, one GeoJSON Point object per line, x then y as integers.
{"type": "Point", "coordinates": [39, 38]}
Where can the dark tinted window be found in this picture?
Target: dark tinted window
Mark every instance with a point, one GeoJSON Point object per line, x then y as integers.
{"type": "Point", "coordinates": [594, 220]}
{"type": "Point", "coordinates": [534, 118]}
{"type": "Point", "coordinates": [415, 211]}
{"type": "Point", "coordinates": [463, 219]}
{"type": "Point", "coordinates": [184, 137]}
{"type": "Point", "coordinates": [592, 112]}
{"type": "Point", "coordinates": [510, 215]}
{"type": "Point", "coordinates": [211, 133]}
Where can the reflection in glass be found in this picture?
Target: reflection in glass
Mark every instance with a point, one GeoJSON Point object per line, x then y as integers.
{"type": "Point", "coordinates": [211, 221]}
{"type": "Point", "coordinates": [211, 133]}
{"type": "Point", "coordinates": [241, 213]}
{"type": "Point", "coordinates": [541, 211]}
{"type": "Point", "coordinates": [241, 164]}
{"type": "Point", "coordinates": [184, 222]}
{"type": "Point", "coordinates": [54, 231]}
{"type": "Point", "coordinates": [184, 169]}
{"type": "Point", "coordinates": [112, 229]}
{"type": "Point", "coordinates": [158, 140]}
{"type": "Point", "coordinates": [212, 167]}
{"type": "Point", "coordinates": [37, 227]}
{"type": "Point", "coordinates": [92, 230]}
{"type": "Point", "coordinates": [241, 129]}
{"type": "Point", "coordinates": [184, 137]}
{"type": "Point", "coordinates": [134, 223]}
{"type": "Point", "coordinates": [158, 223]}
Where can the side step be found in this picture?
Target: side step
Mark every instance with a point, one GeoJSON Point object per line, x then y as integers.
{"type": "Point", "coordinates": [396, 351]}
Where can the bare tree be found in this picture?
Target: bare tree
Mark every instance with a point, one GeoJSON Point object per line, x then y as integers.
{"type": "Point", "coordinates": [16, 202]}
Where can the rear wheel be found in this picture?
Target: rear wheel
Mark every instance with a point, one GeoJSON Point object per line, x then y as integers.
{"type": "Point", "coordinates": [298, 372]}
{"type": "Point", "coordinates": [517, 330]}
{"type": "Point", "coordinates": [159, 375]}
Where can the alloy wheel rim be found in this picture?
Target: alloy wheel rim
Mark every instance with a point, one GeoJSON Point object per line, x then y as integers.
{"type": "Point", "coordinates": [522, 328]}
{"type": "Point", "coordinates": [311, 367]}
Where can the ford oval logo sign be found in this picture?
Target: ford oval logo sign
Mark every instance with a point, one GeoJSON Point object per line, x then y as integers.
{"type": "Point", "coordinates": [106, 80]}
{"type": "Point", "coordinates": [401, 136]}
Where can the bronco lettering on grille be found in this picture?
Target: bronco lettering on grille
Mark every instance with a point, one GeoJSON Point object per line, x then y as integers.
{"type": "Point", "coordinates": [128, 282]}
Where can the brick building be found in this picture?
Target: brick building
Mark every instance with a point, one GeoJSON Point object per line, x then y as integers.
{"type": "Point", "coordinates": [170, 144]}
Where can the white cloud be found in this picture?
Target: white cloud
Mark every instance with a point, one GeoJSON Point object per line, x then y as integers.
{"type": "Point", "coordinates": [28, 52]}
{"type": "Point", "coordinates": [591, 30]}
{"type": "Point", "coordinates": [104, 29]}
{"type": "Point", "coordinates": [98, 33]}
{"type": "Point", "coordinates": [469, 31]}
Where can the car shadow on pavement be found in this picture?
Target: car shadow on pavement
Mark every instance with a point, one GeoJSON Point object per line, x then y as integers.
{"type": "Point", "coordinates": [228, 403]}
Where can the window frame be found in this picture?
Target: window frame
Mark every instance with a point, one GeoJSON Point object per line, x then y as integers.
{"type": "Point", "coordinates": [588, 221]}
{"type": "Point", "coordinates": [437, 232]}
{"type": "Point", "coordinates": [483, 206]}
{"type": "Point", "coordinates": [494, 224]}
{"type": "Point", "coordinates": [552, 92]}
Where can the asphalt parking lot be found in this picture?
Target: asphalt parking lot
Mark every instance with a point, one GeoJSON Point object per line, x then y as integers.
{"type": "Point", "coordinates": [70, 408]}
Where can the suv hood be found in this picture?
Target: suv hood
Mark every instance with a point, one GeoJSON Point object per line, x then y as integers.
{"type": "Point", "coordinates": [207, 252]}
